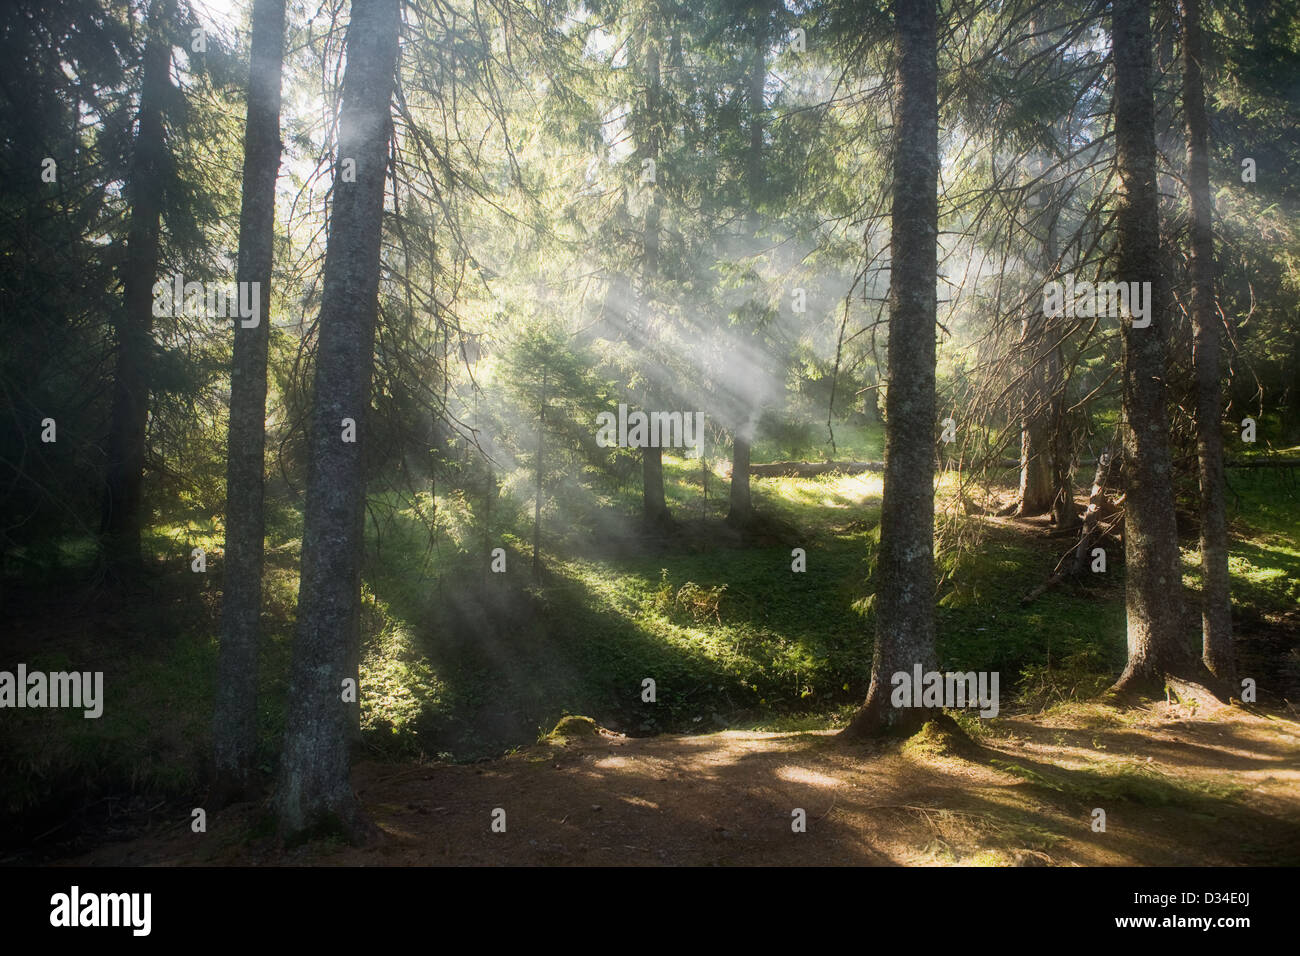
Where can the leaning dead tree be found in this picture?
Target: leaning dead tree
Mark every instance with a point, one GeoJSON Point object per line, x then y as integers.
{"type": "Point", "coordinates": [1103, 520]}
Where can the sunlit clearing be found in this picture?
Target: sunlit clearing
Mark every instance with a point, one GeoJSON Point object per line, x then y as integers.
{"type": "Point", "coordinates": [804, 775]}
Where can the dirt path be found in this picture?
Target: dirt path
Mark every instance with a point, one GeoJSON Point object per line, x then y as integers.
{"type": "Point", "coordinates": [1177, 789]}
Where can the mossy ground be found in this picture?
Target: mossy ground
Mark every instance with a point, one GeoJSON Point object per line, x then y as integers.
{"type": "Point", "coordinates": [462, 665]}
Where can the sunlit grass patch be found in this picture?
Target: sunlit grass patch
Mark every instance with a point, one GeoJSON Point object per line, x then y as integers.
{"type": "Point", "coordinates": [1124, 781]}
{"type": "Point", "coordinates": [462, 663]}
{"type": "Point", "coordinates": [821, 503]}
{"type": "Point", "coordinates": [176, 540]}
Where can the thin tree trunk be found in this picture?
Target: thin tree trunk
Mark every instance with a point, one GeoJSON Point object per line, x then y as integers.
{"type": "Point", "coordinates": [537, 500]}
{"type": "Point", "coordinates": [741, 511]}
{"type": "Point", "coordinates": [905, 632]}
{"type": "Point", "coordinates": [489, 493]}
{"type": "Point", "coordinates": [1064, 514]}
{"type": "Point", "coordinates": [1216, 609]}
{"type": "Point", "coordinates": [1153, 572]}
{"type": "Point", "coordinates": [1037, 423]}
{"type": "Point", "coordinates": [655, 506]}
{"type": "Point", "coordinates": [652, 481]}
{"type": "Point", "coordinates": [1099, 509]}
{"type": "Point", "coordinates": [1037, 491]}
{"type": "Point", "coordinates": [235, 721]}
{"type": "Point", "coordinates": [1046, 484]}
{"type": "Point", "coordinates": [314, 788]}
{"type": "Point", "coordinates": [123, 517]}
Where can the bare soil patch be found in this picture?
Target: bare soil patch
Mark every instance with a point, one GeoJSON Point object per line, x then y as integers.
{"type": "Point", "coordinates": [1178, 789]}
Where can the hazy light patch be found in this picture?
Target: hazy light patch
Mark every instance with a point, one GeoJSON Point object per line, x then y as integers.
{"type": "Point", "coordinates": [222, 17]}
{"type": "Point", "coordinates": [640, 802]}
{"type": "Point", "coordinates": [810, 777]}
{"type": "Point", "coordinates": [600, 44]}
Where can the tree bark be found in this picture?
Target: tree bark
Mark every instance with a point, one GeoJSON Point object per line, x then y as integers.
{"type": "Point", "coordinates": [1065, 514]}
{"type": "Point", "coordinates": [537, 500]}
{"type": "Point", "coordinates": [122, 516]}
{"type": "Point", "coordinates": [1037, 489]}
{"type": "Point", "coordinates": [314, 788]}
{"type": "Point", "coordinates": [905, 631]}
{"type": "Point", "coordinates": [1046, 484]}
{"type": "Point", "coordinates": [1099, 509]}
{"type": "Point", "coordinates": [741, 510]}
{"type": "Point", "coordinates": [1040, 401]}
{"type": "Point", "coordinates": [1060, 454]}
{"type": "Point", "coordinates": [654, 504]}
{"type": "Point", "coordinates": [235, 722]}
{"type": "Point", "coordinates": [1153, 573]}
{"type": "Point", "coordinates": [652, 479]}
{"type": "Point", "coordinates": [1216, 607]}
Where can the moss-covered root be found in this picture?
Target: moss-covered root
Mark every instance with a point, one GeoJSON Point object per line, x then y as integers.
{"type": "Point", "coordinates": [941, 736]}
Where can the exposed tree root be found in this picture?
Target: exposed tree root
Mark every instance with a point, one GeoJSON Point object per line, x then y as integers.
{"type": "Point", "coordinates": [1193, 685]}
{"type": "Point", "coordinates": [878, 719]}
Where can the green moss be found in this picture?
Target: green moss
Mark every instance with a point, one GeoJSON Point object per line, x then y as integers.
{"type": "Point", "coordinates": [938, 738]}
{"type": "Point", "coordinates": [573, 727]}
{"type": "Point", "coordinates": [462, 665]}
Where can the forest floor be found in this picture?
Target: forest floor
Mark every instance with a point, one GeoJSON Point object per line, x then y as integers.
{"type": "Point", "coordinates": [464, 675]}
{"type": "Point", "coordinates": [1177, 788]}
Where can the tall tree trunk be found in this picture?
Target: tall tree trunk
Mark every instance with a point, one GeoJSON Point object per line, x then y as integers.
{"type": "Point", "coordinates": [235, 723]}
{"type": "Point", "coordinates": [1037, 489]}
{"type": "Point", "coordinates": [122, 516]}
{"type": "Point", "coordinates": [537, 500]}
{"type": "Point", "coordinates": [1153, 574]}
{"type": "Point", "coordinates": [655, 509]}
{"type": "Point", "coordinates": [1216, 608]}
{"type": "Point", "coordinates": [1036, 422]}
{"type": "Point", "coordinates": [314, 788]}
{"type": "Point", "coordinates": [1064, 513]}
{"type": "Point", "coordinates": [1045, 482]}
{"type": "Point", "coordinates": [905, 633]}
{"type": "Point", "coordinates": [655, 506]}
{"type": "Point", "coordinates": [741, 511]}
